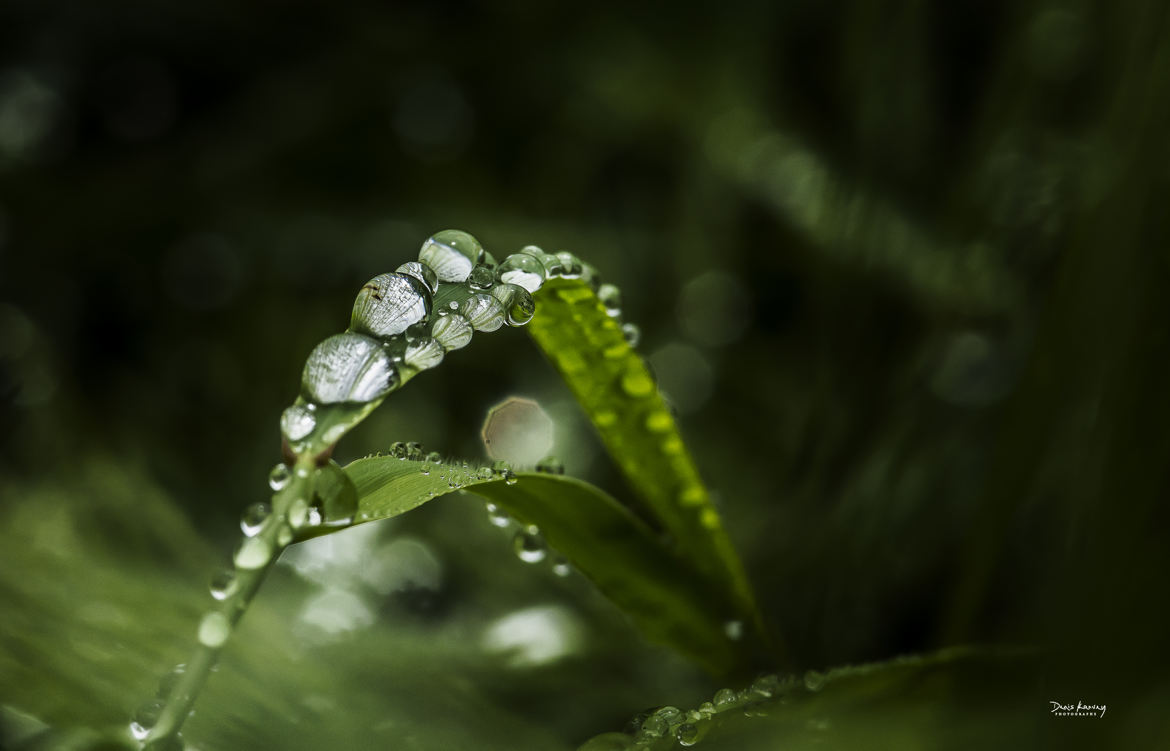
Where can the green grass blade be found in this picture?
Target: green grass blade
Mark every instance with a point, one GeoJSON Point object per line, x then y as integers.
{"type": "Point", "coordinates": [603, 540]}
{"type": "Point", "coordinates": [617, 392]}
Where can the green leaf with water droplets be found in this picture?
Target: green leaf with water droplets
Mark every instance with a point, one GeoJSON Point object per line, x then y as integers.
{"type": "Point", "coordinates": [615, 550]}
{"type": "Point", "coordinates": [617, 391]}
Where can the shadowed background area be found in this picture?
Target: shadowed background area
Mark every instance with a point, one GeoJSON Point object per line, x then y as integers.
{"type": "Point", "coordinates": [900, 268]}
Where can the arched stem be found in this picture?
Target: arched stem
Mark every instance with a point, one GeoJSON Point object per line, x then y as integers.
{"type": "Point", "coordinates": [178, 702]}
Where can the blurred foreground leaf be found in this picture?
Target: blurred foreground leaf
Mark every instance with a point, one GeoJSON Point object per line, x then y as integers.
{"type": "Point", "coordinates": [607, 543]}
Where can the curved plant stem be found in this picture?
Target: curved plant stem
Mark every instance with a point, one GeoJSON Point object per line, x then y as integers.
{"type": "Point", "coordinates": [177, 704]}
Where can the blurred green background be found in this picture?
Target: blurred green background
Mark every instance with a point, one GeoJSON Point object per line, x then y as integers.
{"type": "Point", "coordinates": [900, 267]}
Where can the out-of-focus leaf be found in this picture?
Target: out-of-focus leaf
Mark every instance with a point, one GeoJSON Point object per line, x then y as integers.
{"type": "Point", "coordinates": [959, 699]}
{"type": "Point", "coordinates": [617, 391]}
{"type": "Point", "coordinates": [608, 544]}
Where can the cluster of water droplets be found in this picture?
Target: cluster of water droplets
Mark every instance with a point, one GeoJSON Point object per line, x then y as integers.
{"type": "Point", "coordinates": [666, 726]}
{"type": "Point", "coordinates": [405, 322]}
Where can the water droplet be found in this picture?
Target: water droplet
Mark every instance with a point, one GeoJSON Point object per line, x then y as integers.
{"type": "Point", "coordinates": [561, 566]}
{"type": "Point", "coordinates": [529, 545]}
{"type": "Point", "coordinates": [453, 331]}
{"type": "Point", "coordinates": [523, 270]}
{"type": "Point", "coordinates": [652, 727]}
{"type": "Point", "coordinates": [632, 333]}
{"type": "Point", "coordinates": [484, 312]}
{"type": "Point", "coordinates": [145, 718]}
{"type": "Point", "coordinates": [252, 553]}
{"type": "Point", "coordinates": [348, 368]}
{"type": "Point", "coordinates": [279, 477]}
{"type": "Point", "coordinates": [519, 307]}
{"type": "Point", "coordinates": [591, 276]}
{"type": "Point", "coordinates": [389, 304]}
{"type": "Point", "coordinates": [707, 709]}
{"type": "Point", "coordinates": [434, 457]}
{"type": "Point", "coordinates": [298, 513]}
{"type": "Point", "coordinates": [510, 478]}
{"type": "Point", "coordinates": [481, 278]}
{"type": "Point", "coordinates": [452, 254]}
{"type": "Point", "coordinates": [253, 518]}
{"type": "Point", "coordinates": [398, 449]}
{"type": "Point", "coordinates": [670, 715]}
{"type": "Point", "coordinates": [421, 272]}
{"type": "Point", "coordinates": [297, 422]}
{"type": "Point", "coordinates": [686, 734]}
{"type": "Point", "coordinates": [425, 471]}
{"type": "Point", "coordinates": [214, 629]}
{"type": "Point", "coordinates": [765, 687]}
{"type": "Point", "coordinates": [284, 535]}
{"type": "Point", "coordinates": [550, 465]}
{"type": "Point", "coordinates": [552, 264]}
{"type": "Point", "coordinates": [637, 382]}
{"type": "Point", "coordinates": [485, 473]}
{"type": "Point", "coordinates": [733, 630]}
{"type": "Point", "coordinates": [611, 298]}
{"type": "Point", "coordinates": [497, 516]}
{"type": "Point", "coordinates": [424, 354]}
{"type": "Point", "coordinates": [724, 698]}
{"type": "Point", "coordinates": [571, 267]}
{"type": "Point", "coordinates": [314, 518]}
{"type": "Point", "coordinates": [814, 680]}
{"type": "Point", "coordinates": [414, 451]}
{"type": "Point", "coordinates": [223, 584]}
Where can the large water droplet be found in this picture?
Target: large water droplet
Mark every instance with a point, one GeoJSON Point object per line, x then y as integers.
{"type": "Point", "coordinates": [279, 477]}
{"type": "Point", "coordinates": [434, 457]}
{"type": "Point", "coordinates": [297, 422]}
{"type": "Point", "coordinates": [523, 270]}
{"type": "Point", "coordinates": [571, 266]}
{"type": "Point", "coordinates": [481, 278]}
{"type": "Point", "coordinates": [484, 312]}
{"type": "Point", "coordinates": [214, 629]}
{"type": "Point", "coordinates": [389, 304]}
{"type": "Point", "coordinates": [453, 331]}
{"type": "Point", "coordinates": [550, 465]}
{"type": "Point", "coordinates": [145, 718]}
{"type": "Point", "coordinates": [424, 354]}
{"type": "Point", "coordinates": [252, 553]}
{"type": "Point", "coordinates": [253, 519]}
{"type": "Point", "coordinates": [519, 307]}
{"type": "Point", "coordinates": [348, 367]}
{"type": "Point", "coordinates": [452, 254]}
{"type": "Point", "coordinates": [529, 545]}
{"type": "Point", "coordinates": [421, 272]}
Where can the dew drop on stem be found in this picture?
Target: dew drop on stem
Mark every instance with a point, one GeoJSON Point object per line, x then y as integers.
{"type": "Point", "coordinates": [523, 270]}
{"type": "Point", "coordinates": [254, 517]}
{"type": "Point", "coordinates": [279, 477]}
{"type": "Point", "coordinates": [452, 254]}
{"type": "Point", "coordinates": [529, 545]}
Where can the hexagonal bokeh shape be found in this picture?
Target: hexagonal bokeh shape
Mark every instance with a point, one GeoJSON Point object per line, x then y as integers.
{"type": "Point", "coordinates": [518, 431]}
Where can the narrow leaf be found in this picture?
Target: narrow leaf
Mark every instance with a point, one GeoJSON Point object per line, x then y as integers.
{"type": "Point", "coordinates": [617, 392]}
{"type": "Point", "coordinates": [664, 595]}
